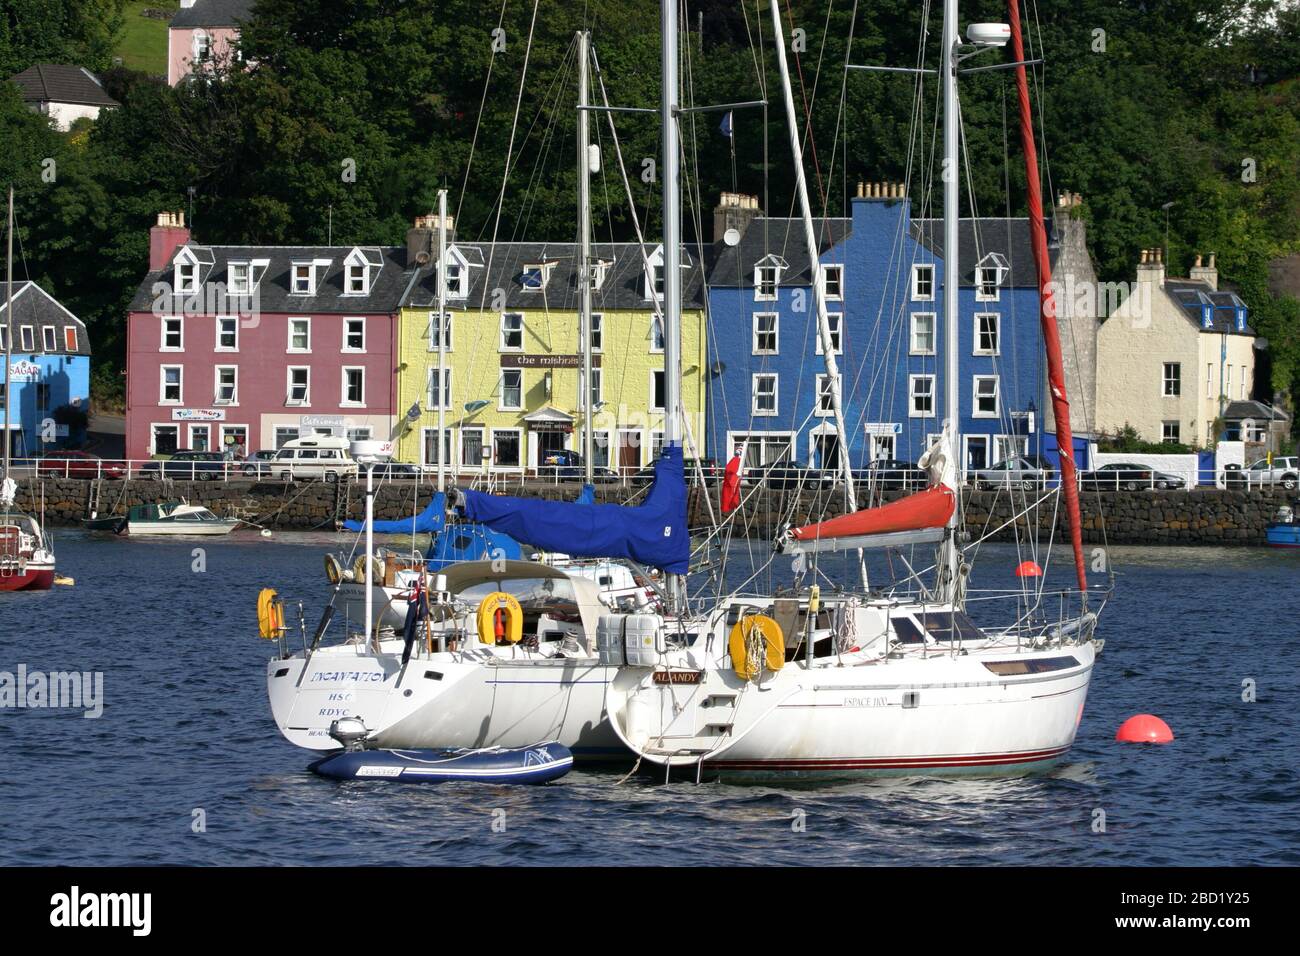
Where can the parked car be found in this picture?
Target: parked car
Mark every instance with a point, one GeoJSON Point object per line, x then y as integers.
{"type": "Point", "coordinates": [258, 464]}
{"type": "Point", "coordinates": [566, 465]}
{"type": "Point", "coordinates": [191, 465]}
{"type": "Point", "coordinates": [1283, 471]}
{"type": "Point", "coordinates": [1130, 477]}
{"type": "Point", "coordinates": [318, 456]}
{"type": "Point", "coordinates": [397, 469]}
{"type": "Point", "coordinates": [892, 474]}
{"type": "Point", "coordinates": [785, 477]}
{"type": "Point", "coordinates": [694, 467]}
{"type": "Point", "coordinates": [78, 464]}
{"type": "Point", "coordinates": [1022, 471]}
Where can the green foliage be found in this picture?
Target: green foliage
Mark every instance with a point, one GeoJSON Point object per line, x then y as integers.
{"type": "Point", "coordinates": [1127, 441]}
{"type": "Point", "coordinates": [80, 32]}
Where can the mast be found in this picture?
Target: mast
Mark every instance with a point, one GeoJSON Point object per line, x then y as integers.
{"type": "Point", "coordinates": [951, 281]}
{"type": "Point", "coordinates": [9, 327]}
{"type": "Point", "coordinates": [442, 339]}
{"type": "Point", "coordinates": [819, 288]}
{"type": "Point", "coordinates": [672, 202]}
{"type": "Point", "coordinates": [1051, 333]}
{"type": "Point", "coordinates": [584, 257]}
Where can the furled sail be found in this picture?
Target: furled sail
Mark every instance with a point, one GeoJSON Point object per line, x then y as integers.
{"type": "Point", "coordinates": [653, 532]}
{"type": "Point", "coordinates": [915, 519]}
{"type": "Point", "coordinates": [428, 521]}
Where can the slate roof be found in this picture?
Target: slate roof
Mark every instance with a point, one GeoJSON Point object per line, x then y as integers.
{"type": "Point", "coordinates": [976, 238]}
{"type": "Point", "coordinates": [1191, 294]}
{"type": "Point", "coordinates": [501, 266]}
{"type": "Point", "coordinates": [1258, 411]}
{"type": "Point", "coordinates": [778, 236]}
{"type": "Point", "coordinates": [386, 286]}
{"type": "Point", "coordinates": [212, 13]}
{"type": "Point", "coordinates": [61, 83]}
{"type": "Point", "coordinates": [35, 307]}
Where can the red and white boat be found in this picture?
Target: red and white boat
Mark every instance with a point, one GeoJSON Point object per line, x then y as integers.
{"type": "Point", "coordinates": [26, 557]}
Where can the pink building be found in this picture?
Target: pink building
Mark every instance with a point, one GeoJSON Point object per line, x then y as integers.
{"type": "Point", "coordinates": [201, 33]}
{"type": "Point", "coordinates": [247, 347]}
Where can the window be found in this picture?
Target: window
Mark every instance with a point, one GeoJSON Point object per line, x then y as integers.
{"type": "Point", "coordinates": [1173, 379]}
{"type": "Point", "coordinates": [431, 443]}
{"type": "Point", "coordinates": [432, 392]}
{"type": "Point", "coordinates": [535, 276]}
{"type": "Point", "coordinates": [227, 377]}
{"type": "Point", "coordinates": [354, 335]}
{"type": "Point", "coordinates": [597, 331]}
{"type": "Point", "coordinates": [28, 338]}
{"type": "Point", "coordinates": [826, 389]}
{"type": "Point", "coordinates": [300, 335]}
{"type": "Point", "coordinates": [987, 327]}
{"type": "Point", "coordinates": [986, 284]}
{"type": "Point", "coordinates": [299, 385]}
{"type": "Point", "coordinates": [655, 282]}
{"type": "Point", "coordinates": [49, 339]}
{"type": "Point", "coordinates": [4, 338]}
{"type": "Point", "coordinates": [763, 401]}
{"type": "Point", "coordinates": [765, 332]}
{"type": "Point", "coordinates": [656, 334]}
{"type": "Point", "coordinates": [471, 447]}
{"type": "Point", "coordinates": [596, 398]}
{"type": "Point", "coordinates": [358, 279]}
{"type": "Point", "coordinates": [986, 396]}
{"type": "Point", "coordinates": [285, 434]}
{"type": "Point", "coordinates": [921, 390]}
{"type": "Point", "coordinates": [170, 385]}
{"type": "Point", "coordinates": [172, 340]}
{"type": "Point", "coordinates": [1209, 380]}
{"type": "Point", "coordinates": [359, 434]}
{"type": "Point", "coordinates": [303, 278]}
{"type": "Point", "coordinates": [457, 279]}
{"type": "Point", "coordinates": [923, 283]}
{"type": "Point", "coordinates": [765, 281]}
{"type": "Point", "coordinates": [1244, 388]}
{"type": "Point", "coordinates": [1227, 381]}
{"type": "Point", "coordinates": [241, 279]}
{"type": "Point", "coordinates": [762, 448]}
{"type": "Point", "coordinates": [200, 436]}
{"type": "Point", "coordinates": [658, 391]}
{"type": "Point", "coordinates": [835, 321]}
{"type": "Point", "coordinates": [439, 332]}
{"type": "Point", "coordinates": [202, 47]}
{"type": "Point", "coordinates": [166, 439]}
{"type": "Point", "coordinates": [69, 338]}
{"type": "Point", "coordinates": [187, 275]}
{"type": "Point", "coordinates": [834, 281]}
{"type": "Point", "coordinates": [1170, 432]}
{"type": "Point", "coordinates": [227, 333]}
{"type": "Point", "coordinates": [512, 389]}
{"type": "Point", "coordinates": [922, 333]}
{"type": "Point", "coordinates": [354, 386]}
{"type": "Point", "coordinates": [507, 444]}
{"type": "Point", "coordinates": [512, 332]}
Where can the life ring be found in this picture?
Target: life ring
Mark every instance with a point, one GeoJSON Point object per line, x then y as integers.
{"type": "Point", "coordinates": [359, 570]}
{"type": "Point", "coordinates": [747, 631]}
{"type": "Point", "coordinates": [500, 616]}
{"type": "Point", "coordinates": [333, 569]}
{"type": "Point", "coordinates": [270, 614]}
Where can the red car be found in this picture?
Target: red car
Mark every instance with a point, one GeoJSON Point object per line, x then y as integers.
{"type": "Point", "coordinates": [78, 464]}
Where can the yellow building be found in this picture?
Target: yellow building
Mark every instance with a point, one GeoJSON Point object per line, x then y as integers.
{"type": "Point", "coordinates": [514, 361]}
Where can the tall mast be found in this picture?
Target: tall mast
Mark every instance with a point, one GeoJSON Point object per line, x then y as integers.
{"type": "Point", "coordinates": [9, 323]}
{"type": "Point", "coordinates": [442, 339]}
{"type": "Point", "coordinates": [584, 256]}
{"type": "Point", "coordinates": [672, 242]}
{"type": "Point", "coordinates": [951, 279]}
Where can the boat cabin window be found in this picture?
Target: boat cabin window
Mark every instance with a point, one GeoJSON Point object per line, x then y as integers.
{"type": "Point", "coordinates": [905, 630]}
{"type": "Point", "coordinates": [949, 627]}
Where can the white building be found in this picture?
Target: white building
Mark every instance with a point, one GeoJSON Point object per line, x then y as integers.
{"type": "Point", "coordinates": [63, 93]}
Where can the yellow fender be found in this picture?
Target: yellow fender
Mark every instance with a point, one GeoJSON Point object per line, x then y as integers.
{"type": "Point", "coordinates": [512, 623]}
{"type": "Point", "coordinates": [333, 569]}
{"type": "Point", "coordinates": [773, 657]}
{"type": "Point", "coordinates": [270, 614]}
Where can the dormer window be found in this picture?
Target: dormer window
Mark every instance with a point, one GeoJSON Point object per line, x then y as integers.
{"type": "Point", "coordinates": [358, 279]}
{"type": "Point", "coordinates": [535, 276]}
{"type": "Point", "coordinates": [244, 276]}
{"type": "Point", "coordinates": [457, 280]}
{"type": "Point", "coordinates": [767, 277]}
{"type": "Point", "coordinates": [186, 280]}
{"type": "Point", "coordinates": [598, 270]}
{"type": "Point", "coordinates": [990, 273]}
{"type": "Point", "coordinates": [652, 283]}
{"type": "Point", "coordinates": [357, 270]}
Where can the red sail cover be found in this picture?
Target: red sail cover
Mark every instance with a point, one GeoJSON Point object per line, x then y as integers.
{"type": "Point", "coordinates": [926, 509]}
{"type": "Point", "coordinates": [731, 486]}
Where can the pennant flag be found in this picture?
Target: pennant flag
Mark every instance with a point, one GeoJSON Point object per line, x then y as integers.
{"type": "Point", "coordinates": [726, 124]}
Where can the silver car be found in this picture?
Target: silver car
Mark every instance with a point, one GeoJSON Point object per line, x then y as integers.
{"type": "Point", "coordinates": [1018, 472]}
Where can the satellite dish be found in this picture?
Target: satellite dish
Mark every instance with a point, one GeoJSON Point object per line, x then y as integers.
{"type": "Point", "coordinates": [718, 368]}
{"type": "Point", "coordinates": [475, 405]}
{"type": "Point", "coordinates": [421, 258]}
{"type": "Point", "coordinates": [731, 237]}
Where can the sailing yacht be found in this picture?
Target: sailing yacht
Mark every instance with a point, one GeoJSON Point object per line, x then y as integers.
{"type": "Point", "coordinates": [505, 652]}
{"type": "Point", "coordinates": [873, 682]}
{"type": "Point", "coordinates": [26, 554]}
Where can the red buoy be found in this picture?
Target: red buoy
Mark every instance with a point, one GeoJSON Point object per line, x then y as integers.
{"type": "Point", "coordinates": [1029, 569]}
{"type": "Point", "coordinates": [1144, 729]}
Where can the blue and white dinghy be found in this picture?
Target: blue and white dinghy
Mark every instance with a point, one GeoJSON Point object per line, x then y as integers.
{"type": "Point", "coordinates": [540, 763]}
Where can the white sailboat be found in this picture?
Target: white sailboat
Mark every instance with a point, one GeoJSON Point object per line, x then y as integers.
{"type": "Point", "coordinates": [872, 683]}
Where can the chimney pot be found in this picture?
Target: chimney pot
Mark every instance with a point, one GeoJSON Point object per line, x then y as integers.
{"type": "Point", "coordinates": [166, 236]}
{"type": "Point", "coordinates": [1144, 257]}
{"type": "Point", "coordinates": [1212, 265]}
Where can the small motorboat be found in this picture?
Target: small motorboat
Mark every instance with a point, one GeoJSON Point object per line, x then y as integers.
{"type": "Point", "coordinates": [1284, 531]}
{"type": "Point", "coordinates": [540, 763]}
{"type": "Point", "coordinates": [170, 518]}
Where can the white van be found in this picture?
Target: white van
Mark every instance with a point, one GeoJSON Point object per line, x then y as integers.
{"type": "Point", "coordinates": [318, 456]}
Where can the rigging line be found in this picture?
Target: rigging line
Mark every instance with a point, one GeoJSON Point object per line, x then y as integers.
{"type": "Point", "coordinates": [478, 122]}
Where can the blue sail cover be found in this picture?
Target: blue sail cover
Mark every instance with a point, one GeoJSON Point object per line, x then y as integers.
{"type": "Point", "coordinates": [470, 542]}
{"type": "Point", "coordinates": [653, 532]}
{"type": "Point", "coordinates": [428, 521]}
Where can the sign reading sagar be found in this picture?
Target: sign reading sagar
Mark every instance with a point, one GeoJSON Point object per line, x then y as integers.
{"type": "Point", "coordinates": [546, 361]}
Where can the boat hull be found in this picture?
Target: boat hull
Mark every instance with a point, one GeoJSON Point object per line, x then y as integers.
{"type": "Point", "coordinates": [1282, 536]}
{"type": "Point", "coordinates": [540, 763]}
{"type": "Point", "coordinates": [188, 529]}
{"type": "Point", "coordinates": [32, 578]}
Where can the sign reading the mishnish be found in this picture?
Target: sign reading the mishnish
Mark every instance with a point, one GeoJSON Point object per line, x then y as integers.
{"type": "Point", "coordinates": [546, 361]}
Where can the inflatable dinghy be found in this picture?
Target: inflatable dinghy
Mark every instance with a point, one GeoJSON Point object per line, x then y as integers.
{"type": "Point", "coordinates": [540, 763]}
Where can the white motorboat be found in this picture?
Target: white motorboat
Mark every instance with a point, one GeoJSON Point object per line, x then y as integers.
{"type": "Point", "coordinates": [169, 518]}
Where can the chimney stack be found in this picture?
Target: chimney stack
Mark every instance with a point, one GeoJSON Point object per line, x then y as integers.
{"type": "Point", "coordinates": [734, 211]}
{"type": "Point", "coordinates": [886, 190]}
{"type": "Point", "coordinates": [1151, 267]}
{"type": "Point", "coordinates": [166, 236]}
{"type": "Point", "coordinates": [1209, 274]}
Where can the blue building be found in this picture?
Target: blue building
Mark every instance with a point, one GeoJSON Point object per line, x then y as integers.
{"type": "Point", "coordinates": [49, 369]}
{"type": "Point", "coordinates": [884, 275]}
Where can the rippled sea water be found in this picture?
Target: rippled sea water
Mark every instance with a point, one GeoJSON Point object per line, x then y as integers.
{"type": "Point", "coordinates": [186, 728]}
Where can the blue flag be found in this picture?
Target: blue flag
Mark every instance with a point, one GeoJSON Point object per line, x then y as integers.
{"type": "Point", "coordinates": [726, 124]}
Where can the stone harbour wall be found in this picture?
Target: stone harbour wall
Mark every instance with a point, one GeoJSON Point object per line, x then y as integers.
{"type": "Point", "coordinates": [1144, 517]}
